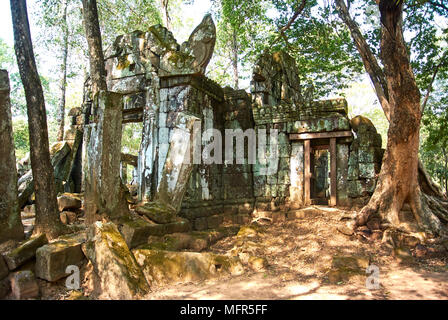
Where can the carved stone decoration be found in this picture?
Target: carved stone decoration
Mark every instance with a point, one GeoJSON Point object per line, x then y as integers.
{"type": "Point", "coordinates": [132, 57]}
{"type": "Point", "coordinates": [202, 42]}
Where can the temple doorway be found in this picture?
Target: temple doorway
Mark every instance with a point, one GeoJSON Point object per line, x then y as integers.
{"type": "Point", "coordinates": [320, 174]}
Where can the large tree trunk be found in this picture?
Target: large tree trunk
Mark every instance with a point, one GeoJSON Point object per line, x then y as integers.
{"type": "Point", "coordinates": [398, 181]}
{"type": "Point", "coordinates": [403, 178]}
{"type": "Point", "coordinates": [47, 215]}
{"type": "Point", "coordinates": [63, 84]}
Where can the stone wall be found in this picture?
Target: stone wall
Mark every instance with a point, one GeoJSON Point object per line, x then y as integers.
{"type": "Point", "coordinates": [364, 162]}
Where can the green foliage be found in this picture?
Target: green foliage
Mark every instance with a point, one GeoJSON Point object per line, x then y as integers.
{"type": "Point", "coordinates": [6, 55]}
{"type": "Point", "coordinates": [362, 100]}
{"type": "Point", "coordinates": [243, 30]}
{"type": "Point", "coordinates": [131, 137]}
{"type": "Point", "coordinates": [320, 43]}
{"type": "Point", "coordinates": [123, 16]}
{"type": "Point", "coordinates": [434, 136]}
{"type": "Point", "coordinates": [21, 137]}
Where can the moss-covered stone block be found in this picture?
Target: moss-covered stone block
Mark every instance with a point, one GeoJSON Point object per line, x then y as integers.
{"type": "Point", "coordinates": [157, 212]}
{"type": "Point", "coordinates": [345, 267]}
{"type": "Point", "coordinates": [119, 274]}
{"type": "Point", "coordinates": [24, 252]}
{"type": "Point", "coordinates": [163, 267]}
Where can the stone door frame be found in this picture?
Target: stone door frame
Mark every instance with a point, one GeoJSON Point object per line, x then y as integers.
{"type": "Point", "coordinates": [306, 138]}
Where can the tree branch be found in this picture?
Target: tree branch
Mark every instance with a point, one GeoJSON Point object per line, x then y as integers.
{"type": "Point", "coordinates": [288, 25]}
{"type": "Point", "coordinates": [439, 5]}
{"type": "Point", "coordinates": [434, 75]}
{"type": "Point", "coordinates": [370, 62]}
{"type": "Point", "coordinates": [299, 10]}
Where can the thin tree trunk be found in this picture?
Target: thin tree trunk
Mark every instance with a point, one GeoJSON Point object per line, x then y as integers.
{"type": "Point", "coordinates": [445, 178]}
{"type": "Point", "coordinates": [63, 84]}
{"type": "Point", "coordinates": [93, 35]}
{"type": "Point", "coordinates": [47, 215]}
{"type": "Point", "coordinates": [235, 60]}
{"type": "Point", "coordinates": [164, 4]}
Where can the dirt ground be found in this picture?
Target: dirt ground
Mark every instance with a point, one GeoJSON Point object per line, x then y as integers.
{"type": "Point", "coordinates": [299, 255]}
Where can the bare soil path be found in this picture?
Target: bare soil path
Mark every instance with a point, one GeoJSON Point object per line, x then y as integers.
{"type": "Point", "coordinates": [299, 255]}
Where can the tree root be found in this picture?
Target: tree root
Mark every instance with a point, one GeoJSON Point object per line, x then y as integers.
{"type": "Point", "coordinates": [428, 203]}
{"type": "Point", "coordinates": [427, 185]}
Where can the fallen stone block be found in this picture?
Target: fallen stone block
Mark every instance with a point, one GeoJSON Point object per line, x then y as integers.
{"type": "Point", "coordinates": [345, 230]}
{"type": "Point", "coordinates": [63, 217]}
{"type": "Point", "coordinates": [53, 258]}
{"type": "Point", "coordinates": [162, 267]}
{"type": "Point", "coordinates": [214, 221]}
{"type": "Point", "coordinates": [68, 217]}
{"type": "Point", "coordinates": [24, 252]}
{"type": "Point", "coordinates": [200, 223]}
{"type": "Point", "coordinates": [403, 255]}
{"type": "Point", "coordinates": [250, 231]}
{"type": "Point", "coordinates": [24, 285]}
{"type": "Point", "coordinates": [68, 201]}
{"type": "Point", "coordinates": [120, 275]}
{"type": "Point", "coordinates": [137, 231]}
{"type": "Point", "coordinates": [157, 212]}
{"type": "Point", "coordinates": [180, 225]}
{"type": "Point", "coordinates": [71, 216]}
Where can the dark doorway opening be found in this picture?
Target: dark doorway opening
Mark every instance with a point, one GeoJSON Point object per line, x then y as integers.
{"type": "Point", "coordinates": [320, 172]}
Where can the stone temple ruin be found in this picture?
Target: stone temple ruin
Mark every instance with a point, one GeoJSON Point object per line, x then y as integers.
{"type": "Point", "coordinates": [319, 155]}
{"type": "Point", "coordinates": [323, 157]}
